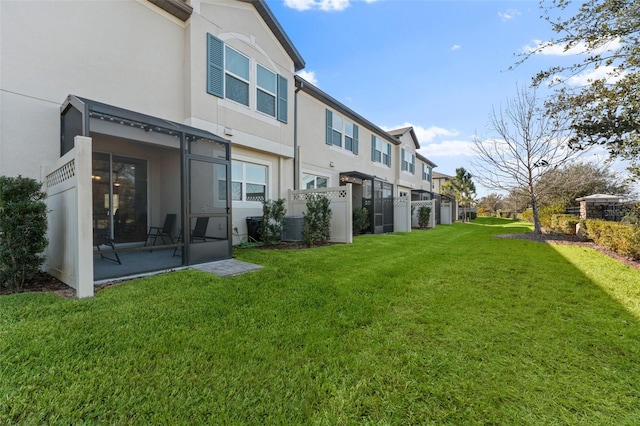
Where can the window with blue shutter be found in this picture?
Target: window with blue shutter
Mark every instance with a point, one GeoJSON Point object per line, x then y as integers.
{"type": "Point", "coordinates": [355, 139]}
{"type": "Point", "coordinates": [215, 66]}
{"type": "Point", "coordinates": [283, 91]}
{"type": "Point", "coordinates": [329, 133]}
{"type": "Point", "coordinates": [373, 148]}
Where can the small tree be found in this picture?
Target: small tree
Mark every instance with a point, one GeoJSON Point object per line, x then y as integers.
{"type": "Point", "coordinates": [23, 227]}
{"type": "Point", "coordinates": [317, 220]}
{"type": "Point", "coordinates": [424, 214]}
{"type": "Point", "coordinates": [462, 188]}
{"type": "Point", "coordinates": [272, 218]}
{"type": "Point", "coordinates": [527, 143]}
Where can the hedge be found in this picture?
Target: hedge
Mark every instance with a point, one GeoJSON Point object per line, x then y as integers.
{"type": "Point", "coordinates": [619, 237]}
{"type": "Point", "coordinates": [564, 223]}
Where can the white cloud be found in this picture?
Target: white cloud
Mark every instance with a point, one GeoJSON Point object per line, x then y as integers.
{"type": "Point", "coordinates": [425, 135]}
{"type": "Point", "coordinates": [509, 14]}
{"type": "Point", "coordinates": [451, 148]}
{"type": "Point", "coordinates": [310, 76]}
{"type": "Point", "coordinates": [549, 49]}
{"type": "Point", "coordinates": [587, 77]}
{"type": "Point", "coordinates": [325, 5]}
{"type": "Point", "coordinates": [456, 47]}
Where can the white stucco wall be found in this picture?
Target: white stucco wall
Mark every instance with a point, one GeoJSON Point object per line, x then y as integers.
{"type": "Point", "coordinates": [124, 53]}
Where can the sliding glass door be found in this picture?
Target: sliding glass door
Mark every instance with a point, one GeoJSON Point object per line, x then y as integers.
{"type": "Point", "coordinates": [119, 198]}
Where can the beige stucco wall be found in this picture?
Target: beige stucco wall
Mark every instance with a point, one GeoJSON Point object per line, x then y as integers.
{"type": "Point", "coordinates": [317, 157]}
{"type": "Point", "coordinates": [126, 53]}
{"type": "Point", "coordinates": [239, 26]}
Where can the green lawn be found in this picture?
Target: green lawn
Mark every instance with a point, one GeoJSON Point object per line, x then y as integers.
{"type": "Point", "coordinates": [445, 326]}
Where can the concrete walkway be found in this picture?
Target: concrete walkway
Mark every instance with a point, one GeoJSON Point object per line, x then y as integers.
{"type": "Point", "coordinates": [227, 267]}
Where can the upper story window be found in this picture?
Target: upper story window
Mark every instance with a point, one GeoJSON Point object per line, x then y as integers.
{"type": "Point", "coordinates": [266, 92]}
{"type": "Point", "coordinates": [310, 181]}
{"type": "Point", "coordinates": [341, 132]}
{"type": "Point", "coordinates": [408, 161]}
{"type": "Point", "coordinates": [380, 151]}
{"type": "Point", "coordinates": [248, 181]}
{"type": "Point", "coordinates": [236, 68]}
{"type": "Point", "coordinates": [426, 173]}
{"type": "Point", "coordinates": [229, 76]}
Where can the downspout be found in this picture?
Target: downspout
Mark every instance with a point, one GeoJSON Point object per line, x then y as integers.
{"type": "Point", "coordinates": [296, 156]}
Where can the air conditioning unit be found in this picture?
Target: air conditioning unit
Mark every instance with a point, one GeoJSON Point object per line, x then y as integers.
{"type": "Point", "coordinates": [293, 228]}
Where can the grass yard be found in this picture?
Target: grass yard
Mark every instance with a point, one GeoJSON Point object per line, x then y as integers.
{"type": "Point", "coordinates": [445, 326]}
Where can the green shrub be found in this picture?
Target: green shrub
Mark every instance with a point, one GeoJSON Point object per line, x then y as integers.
{"type": "Point", "coordinates": [361, 220]}
{"type": "Point", "coordinates": [424, 213]}
{"type": "Point", "coordinates": [545, 213]}
{"type": "Point", "coordinates": [23, 227]}
{"type": "Point", "coordinates": [272, 218]}
{"type": "Point", "coordinates": [619, 237]}
{"type": "Point", "coordinates": [564, 223]}
{"type": "Point", "coordinates": [317, 220]}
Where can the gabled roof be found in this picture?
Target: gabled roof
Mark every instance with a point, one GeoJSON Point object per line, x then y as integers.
{"type": "Point", "coordinates": [401, 132]}
{"type": "Point", "coordinates": [437, 175]}
{"type": "Point", "coordinates": [181, 10]}
{"type": "Point", "coordinates": [313, 91]}
{"type": "Point", "coordinates": [397, 133]}
{"type": "Point", "coordinates": [278, 31]}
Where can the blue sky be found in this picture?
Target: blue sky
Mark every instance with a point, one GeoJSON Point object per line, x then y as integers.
{"type": "Point", "coordinates": [439, 66]}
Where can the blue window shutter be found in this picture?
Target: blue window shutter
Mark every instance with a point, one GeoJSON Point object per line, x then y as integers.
{"type": "Point", "coordinates": [373, 148]}
{"type": "Point", "coordinates": [283, 90]}
{"type": "Point", "coordinates": [355, 139]}
{"type": "Point", "coordinates": [329, 127]}
{"type": "Point", "coordinates": [215, 66]}
{"type": "Point", "coordinates": [389, 155]}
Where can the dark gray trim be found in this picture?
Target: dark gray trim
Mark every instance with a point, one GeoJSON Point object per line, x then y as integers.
{"type": "Point", "coordinates": [426, 160]}
{"type": "Point", "coordinates": [178, 8]}
{"type": "Point", "coordinates": [154, 123]}
{"type": "Point", "coordinates": [278, 31]}
{"type": "Point", "coordinates": [323, 97]}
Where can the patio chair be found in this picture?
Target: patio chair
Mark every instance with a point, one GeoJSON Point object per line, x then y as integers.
{"type": "Point", "coordinates": [101, 238]}
{"type": "Point", "coordinates": [199, 232]}
{"type": "Point", "coordinates": [161, 232]}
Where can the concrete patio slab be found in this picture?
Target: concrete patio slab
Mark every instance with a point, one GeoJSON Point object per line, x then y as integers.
{"type": "Point", "coordinates": [227, 267]}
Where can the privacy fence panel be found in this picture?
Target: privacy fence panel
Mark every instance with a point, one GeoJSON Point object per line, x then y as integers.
{"type": "Point", "coordinates": [69, 198]}
{"type": "Point", "coordinates": [341, 208]}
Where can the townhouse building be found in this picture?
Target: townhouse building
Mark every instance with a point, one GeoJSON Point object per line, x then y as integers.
{"type": "Point", "coordinates": [175, 120]}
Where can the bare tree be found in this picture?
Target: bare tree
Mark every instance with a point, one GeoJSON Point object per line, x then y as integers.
{"type": "Point", "coordinates": [526, 144]}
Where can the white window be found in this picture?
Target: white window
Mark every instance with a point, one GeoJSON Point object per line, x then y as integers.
{"type": "Point", "coordinates": [336, 128]}
{"type": "Point", "coordinates": [228, 76]}
{"type": "Point", "coordinates": [408, 162]}
{"type": "Point", "coordinates": [236, 76]}
{"type": "Point", "coordinates": [426, 173]}
{"type": "Point", "coordinates": [380, 151]}
{"type": "Point", "coordinates": [310, 181]}
{"type": "Point", "coordinates": [266, 91]}
{"type": "Point", "coordinates": [336, 134]}
{"type": "Point", "coordinates": [248, 181]}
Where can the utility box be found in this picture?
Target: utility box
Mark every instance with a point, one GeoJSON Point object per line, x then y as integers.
{"type": "Point", "coordinates": [293, 228]}
{"type": "Point", "coordinates": [254, 228]}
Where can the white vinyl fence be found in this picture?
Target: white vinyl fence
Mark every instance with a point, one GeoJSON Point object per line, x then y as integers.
{"type": "Point", "coordinates": [341, 208]}
{"type": "Point", "coordinates": [69, 197]}
{"type": "Point", "coordinates": [402, 214]}
{"type": "Point", "coordinates": [416, 207]}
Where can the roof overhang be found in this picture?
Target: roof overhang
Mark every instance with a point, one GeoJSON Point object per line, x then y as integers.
{"type": "Point", "coordinates": [323, 97]}
{"type": "Point", "coordinates": [278, 31]}
{"type": "Point", "coordinates": [94, 109]}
